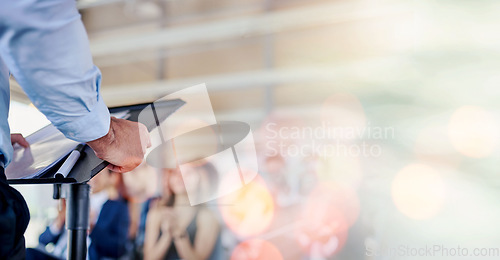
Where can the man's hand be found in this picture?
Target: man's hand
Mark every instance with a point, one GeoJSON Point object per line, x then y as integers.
{"type": "Point", "coordinates": [19, 139]}
{"type": "Point", "coordinates": [124, 145]}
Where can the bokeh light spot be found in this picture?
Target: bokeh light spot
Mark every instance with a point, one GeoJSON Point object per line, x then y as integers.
{"type": "Point", "coordinates": [474, 131]}
{"type": "Point", "coordinates": [256, 250]}
{"type": "Point", "coordinates": [418, 191]}
{"type": "Point", "coordinates": [343, 112]}
{"type": "Point", "coordinates": [249, 210]}
{"type": "Point", "coordinates": [325, 220]}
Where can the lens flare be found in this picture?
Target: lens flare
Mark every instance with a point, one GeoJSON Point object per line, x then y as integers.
{"type": "Point", "coordinates": [277, 130]}
{"type": "Point", "coordinates": [256, 250]}
{"type": "Point", "coordinates": [325, 220]}
{"type": "Point", "coordinates": [345, 169]}
{"type": "Point", "coordinates": [473, 131]}
{"type": "Point", "coordinates": [433, 141]}
{"type": "Point", "coordinates": [344, 113]}
{"type": "Point", "coordinates": [433, 145]}
{"type": "Point", "coordinates": [418, 191]}
{"type": "Point", "coordinates": [249, 210]}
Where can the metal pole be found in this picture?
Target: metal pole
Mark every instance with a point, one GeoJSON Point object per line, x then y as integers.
{"type": "Point", "coordinates": [77, 220]}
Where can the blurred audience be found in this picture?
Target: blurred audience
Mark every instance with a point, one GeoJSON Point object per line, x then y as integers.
{"type": "Point", "coordinates": [174, 228]}
{"type": "Point", "coordinates": [109, 217]}
{"type": "Point", "coordinates": [165, 226]}
{"type": "Point", "coordinates": [54, 235]}
{"type": "Point", "coordinates": [288, 182]}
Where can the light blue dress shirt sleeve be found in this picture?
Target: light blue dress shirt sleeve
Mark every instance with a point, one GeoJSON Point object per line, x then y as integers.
{"type": "Point", "coordinates": [5, 147]}
{"type": "Point", "coordinates": [44, 45]}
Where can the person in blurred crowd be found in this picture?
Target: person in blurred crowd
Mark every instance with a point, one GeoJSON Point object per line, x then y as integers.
{"type": "Point", "coordinates": [54, 234]}
{"type": "Point", "coordinates": [109, 222]}
{"type": "Point", "coordinates": [159, 199]}
{"type": "Point", "coordinates": [176, 230]}
{"type": "Point", "coordinates": [141, 188]}
{"type": "Point", "coordinates": [134, 209]}
{"type": "Point", "coordinates": [282, 181]}
{"type": "Point", "coordinates": [109, 217]}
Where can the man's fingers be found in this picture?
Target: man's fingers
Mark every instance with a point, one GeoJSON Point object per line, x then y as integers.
{"type": "Point", "coordinates": [124, 168]}
{"type": "Point", "coordinates": [111, 167]}
{"type": "Point", "coordinates": [24, 143]}
{"type": "Point", "coordinates": [124, 146]}
{"type": "Point", "coordinates": [149, 141]}
{"type": "Point", "coordinates": [115, 168]}
{"type": "Point", "coordinates": [148, 138]}
{"type": "Point", "coordinates": [19, 139]}
{"type": "Point", "coordinates": [144, 135]}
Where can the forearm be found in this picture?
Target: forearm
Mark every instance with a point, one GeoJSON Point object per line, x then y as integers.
{"type": "Point", "coordinates": [159, 249]}
{"type": "Point", "coordinates": [185, 249]}
{"type": "Point", "coordinates": [45, 46]}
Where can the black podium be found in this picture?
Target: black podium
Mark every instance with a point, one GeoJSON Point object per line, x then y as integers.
{"type": "Point", "coordinates": [74, 187]}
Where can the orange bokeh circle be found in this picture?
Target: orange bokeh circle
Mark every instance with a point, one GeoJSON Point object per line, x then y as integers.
{"type": "Point", "coordinates": [249, 210]}
{"type": "Point", "coordinates": [324, 222]}
{"type": "Point", "coordinates": [256, 250]}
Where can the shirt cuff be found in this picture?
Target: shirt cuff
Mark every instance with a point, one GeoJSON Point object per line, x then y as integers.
{"type": "Point", "coordinates": [93, 125]}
